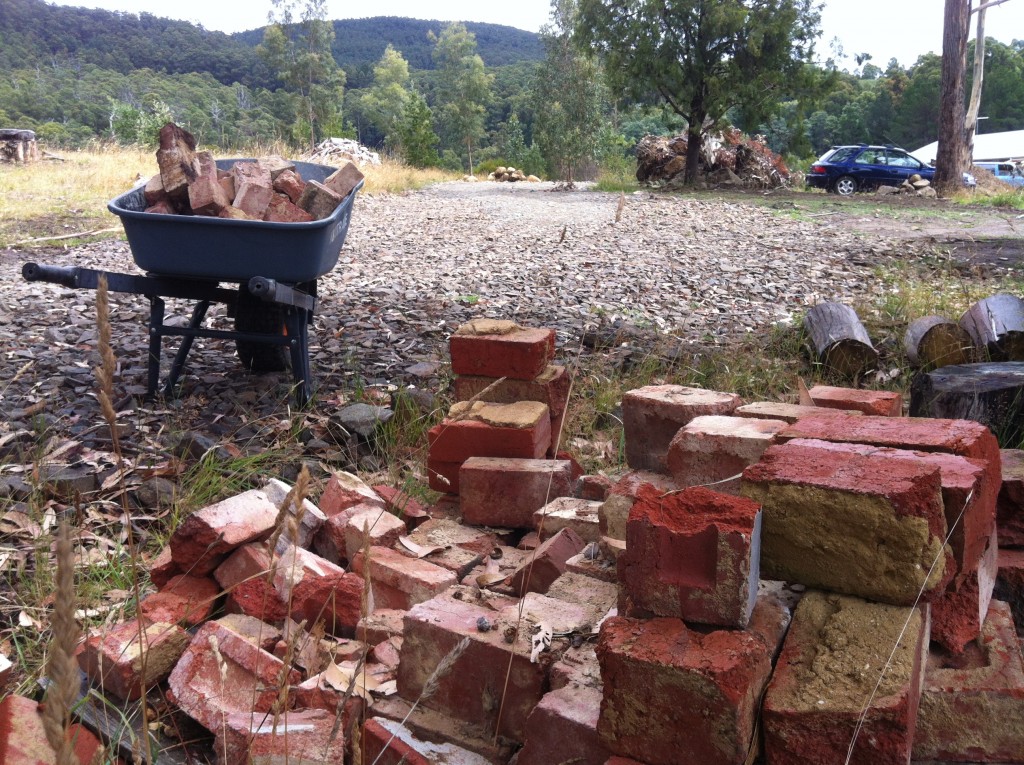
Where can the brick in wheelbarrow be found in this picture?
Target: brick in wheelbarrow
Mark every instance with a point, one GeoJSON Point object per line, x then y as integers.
{"type": "Point", "coordinates": [282, 210]}
{"type": "Point", "coordinates": [289, 183]}
{"type": "Point", "coordinates": [254, 188]}
{"type": "Point", "coordinates": [207, 536]}
{"type": "Point", "coordinates": [972, 706]}
{"type": "Point", "coordinates": [1010, 505]}
{"type": "Point", "coordinates": [715, 449]}
{"type": "Point", "coordinates": [846, 661]}
{"type": "Point", "coordinates": [864, 525]}
{"type": "Point", "coordinates": [205, 194]}
{"type": "Point", "coordinates": [651, 417]}
{"type": "Point", "coordinates": [673, 694]}
{"type": "Point", "coordinates": [178, 164]}
{"type": "Point", "coordinates": [222, 673]}
{"type": "Point", "coordinates": [692, 555]}
{"type": "Point", "coordinates": [504, 492]}
{"type": "Point", "coordinates": [344, 179]}
{"type": "Point", "coordinates": [499, 348]}
{"type": "Point", "coordinates": [127, 659]}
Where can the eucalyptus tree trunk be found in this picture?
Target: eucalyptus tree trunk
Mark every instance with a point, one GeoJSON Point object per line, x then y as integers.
{"type": "Point", "coordinates": [949, 161]}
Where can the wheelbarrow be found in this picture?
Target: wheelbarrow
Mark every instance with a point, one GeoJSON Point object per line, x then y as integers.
{"type": "Point", "coordinates": [274, 269]}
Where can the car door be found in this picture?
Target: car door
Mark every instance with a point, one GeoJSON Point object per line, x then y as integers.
{"type": "Point", "coordinates": [900, 166]}
{"type": "Point", "coordinates": [869, 167]}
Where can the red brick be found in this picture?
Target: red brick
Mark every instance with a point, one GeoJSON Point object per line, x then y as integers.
{"type": "Point", "coordinates": [297, 565]}
{"type": "Point", "coordinates": [334, 599]}
{"type": "Point", "coordinates": [563, 728]}
{"type": "Point", "coordinates": [776, 410]}
{"type": "Point", "coordinates": [834, 652]}
{"type": "Point", "coordinates": [387, 742]}
{"type": "Point", "coordinates": [623, 761]}
{"type": "Point", "coordinates": [1010, 508]}
{"type": "Point", "coordinates": [429, 725]}
{"type": "Point", "coordinates": [344, 179]}
{"type": "Point", "coordinates": [550, 387]}
{"type": "Point", "coordinates": [580, 515]}
{"type": "Point", "coordinates": [594, 487]}
{"type": "Point", "coordinates": [674, 695]}
{"type": "Point", "coordinates": [491, 430]}
{"type": "Point", "coordinates": [1010, 583]}
{"type": "Point", "coordinates": [277, 165]}
{"type": "Point", "coordinates": [258, 633]}
{"type": "Point", "coordinates": [251, 561]}
{"type": "Point", "coordinates": [461, 547]}
{"type": "Point", "coordinates": [178, 162]}
{"type": "Point", "coordinates": [253, 188]}
{"type": "Point", "coordinates": [715, 449]}
{"type": "Point", "coordinates": [112, 658]}
{"type": "Point", "coordinates": [23, 737]}
{"type": "Point", "coordinates": [205, 194]}
{"type": "Point", "coordinates": [379, 526]}
{"type": "Point", "coordinates": [545, 564]}
{"type": "Point", "coordinates": [865, 525]}
{"type": "Point", "coordinates": [289, 183]}
{"type": "Point", "coordinates": [163, 207]}
{"type": "Point", "coordinates": [388, 652]}
{"type": "Point", "coordinates": [345, 490]}
{"type": "Point", "coordinates": [222, 673]}
{"type": "Point", "coordinates": [881, 403]}
{"type": "Point", "coordinates": [382, 624]}
{"type": "Point", "coordinates": [693, 556]}
{"type": "Point", "coordinates": [302, 736]}
{"type": "Point", "coordinates": [185, 600]}
{"type": "Point", "coordinates": [961, 437]}
{"type": "Point", "coordinates": [154, 191]}
{"type": "Point", "coordinates": [972, 708]}
{"type": "Point", "coordinates": [205, 537]}
{"type": "Point", "coordinates": [400, 581]}
{"type": "Point", "coordinates": [968, 496]}
{"type": "Point", "coordinates": [474, 688]}
{"type": "Point", "coordinates": [318, 200]}
{"type": "Point", "coordinates": [257, 598]}
{"type": "Point", "coordinates": [597, 598]}
{"type": "Point", "coordinates": [317, 693]}
{"type": "Point", "coordinates": [652, 416]}
{"type": "Point", "coordinates": [402, 505]}
{"type": "Point", "coordinates": [282, 210]}
{"type": "Point", "coordinates": [629, 484]}
{"type": "Point", "coordinates": [504, 492]}
{"type": "Point", "coordinates": [443, 476]}
{"type": "Point", "coordinates": [959, 612]}
{"type": "Point", "coordinates": [162, 568]}
{"type": "Point", "coordinates": [488, 348]}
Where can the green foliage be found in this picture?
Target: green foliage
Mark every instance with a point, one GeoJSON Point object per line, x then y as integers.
{"type": "Point", "coordinates": [139, 124]}
{"type": "Point", "coordinates": [513, 144]}
{"type": "Point", "coordinates": [568, 96]}
{"type": "Point", "coordinates": [464, 88]}
{"type": "Point", "coordinates": [416, 136]}
{"type": "Point", "coordinates": [384, 103]}
{"type": "Point", "coordinates": [702, 57]}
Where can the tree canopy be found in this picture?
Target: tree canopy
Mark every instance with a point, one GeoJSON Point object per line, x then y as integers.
{"type": "Point", "coordinates": [702, 57]}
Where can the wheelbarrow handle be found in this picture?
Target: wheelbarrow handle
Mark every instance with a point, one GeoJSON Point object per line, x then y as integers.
{"type": "Point", "coordinates": [68, 276]}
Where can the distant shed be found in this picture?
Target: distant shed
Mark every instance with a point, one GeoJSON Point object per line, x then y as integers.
{"type": "Point", "coordinates": [988, 147]}
{"type": "Point", "coordinates": [18, 145]}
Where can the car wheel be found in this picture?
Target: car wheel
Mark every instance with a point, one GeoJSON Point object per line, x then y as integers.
{"type": "Point", "coordinates": [845, 185]}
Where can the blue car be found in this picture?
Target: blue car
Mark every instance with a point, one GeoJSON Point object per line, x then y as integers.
{"type": "Point", "coordinates": [849, 169]}
{"type": "Point", "coordinates": [1007, 172]}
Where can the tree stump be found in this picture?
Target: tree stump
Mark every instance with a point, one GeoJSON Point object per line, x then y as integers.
{"type": "Point", "coordinates": [990, 393]}
{"type": "Point", "coordinates": [838, 339]}
{"type": "Point", "coordinates": [934, 341]}
{"type": "Point", "coordinates": [996, 324]}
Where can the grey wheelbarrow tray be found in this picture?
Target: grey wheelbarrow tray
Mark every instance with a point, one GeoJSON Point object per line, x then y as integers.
{"type": "Point", "coordinates": [187, 256]}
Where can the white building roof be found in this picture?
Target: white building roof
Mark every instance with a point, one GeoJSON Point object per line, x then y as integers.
{"type": "Point", "coordinates": [988, 147]}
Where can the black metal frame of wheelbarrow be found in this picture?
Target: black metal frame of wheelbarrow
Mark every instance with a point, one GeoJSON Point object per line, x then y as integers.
{"type": "Point", "coordinates": [299, 302]}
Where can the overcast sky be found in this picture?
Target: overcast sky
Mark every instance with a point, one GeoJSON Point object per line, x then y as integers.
{"type": "Point", "coordinates": [903, 29]}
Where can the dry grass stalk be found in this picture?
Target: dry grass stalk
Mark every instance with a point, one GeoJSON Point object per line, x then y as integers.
{"type": "Point", "coordinates": [442, 670]}
{"type": "Point", "coordinates": [296, 498]}
{"type": "Point", "coordinates": [62, 669]}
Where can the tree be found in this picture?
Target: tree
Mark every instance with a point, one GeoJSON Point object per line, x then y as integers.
{"type": "Point", "coordinates": [971, 120]}
{"type": "Point", "coordinates": [949, 159]}
{"type": "Point", "coordinates": [702, 57]}
{"type": "Point", "coordinates": [301, 56]}
{"type": "Point", "coordinates": [567, 97]}
{"type": "Point", "coordinates": [384, 102]}
{"type": "Point", "coordinates": [416, 136]}
{"type": "Point", "coordinates": [464, 88]}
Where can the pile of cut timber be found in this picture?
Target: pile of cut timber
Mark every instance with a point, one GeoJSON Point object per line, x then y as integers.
{"type": "Point", "coordinates": [511, 174]}
{"type": "Point", "coordinates": [270, 189]}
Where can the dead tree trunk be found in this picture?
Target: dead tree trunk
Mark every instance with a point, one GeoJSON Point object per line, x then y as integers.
{"type": "Point", "coordinates": [935, 341]}
{"type": "Point", "coordinates": [992, 394]}
{"type": "Point", "coordinates": [996, 325]}
{"type": "Point", "coordinates": [949, 160]}
{"type": "Point", "coordinates": [839, 340]}
{"type": "Point", "coordinates": [971, 122]}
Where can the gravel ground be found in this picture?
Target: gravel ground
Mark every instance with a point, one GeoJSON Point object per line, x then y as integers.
{"type": "Point", "coordinates": [417, 265]}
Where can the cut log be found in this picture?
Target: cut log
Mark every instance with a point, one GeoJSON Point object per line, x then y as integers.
{"type": "Point", "coordinates": [990, 393]}
{"type": "Point", "coordinates": [935, 341]}
{"type": "Point", "coordinates": [838, 339]}
{"type": "Point", "coordinates": [177, 160]}
{"type": "Point", "coordinates": [996, 324]}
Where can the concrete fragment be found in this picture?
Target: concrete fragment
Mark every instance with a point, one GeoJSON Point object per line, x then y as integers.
{"type": "Point", "coordinates": [580, 515]}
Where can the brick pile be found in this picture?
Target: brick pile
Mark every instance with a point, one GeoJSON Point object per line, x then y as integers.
{"type": "Point", "coordinates": [765, 583]}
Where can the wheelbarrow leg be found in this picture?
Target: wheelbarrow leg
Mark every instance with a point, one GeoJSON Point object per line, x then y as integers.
{"type": "Point", "coordinates": [298, 346]}
{"type": "Point", "coordinates": [156, 327]}
{"type": "Point", "coordinates": [198, 314]}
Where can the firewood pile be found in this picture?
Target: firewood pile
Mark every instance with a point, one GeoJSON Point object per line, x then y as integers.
{"type": "Point", "coordinates": [269, 189]}
{"type": "Point", "coordinates": [343, 148]}
{"type": "Point", "coordinates": [915, 185]}
{"type": "Point", "coordinates": [726, 159]}
{"type": "Point", "coordinates": [511, 175]}
{"type": "Point", "coordinates": [18, 145]}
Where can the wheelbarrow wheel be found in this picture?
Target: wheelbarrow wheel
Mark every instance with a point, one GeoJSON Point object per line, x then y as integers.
{"type": "Point", "coordinates": [255, 315]}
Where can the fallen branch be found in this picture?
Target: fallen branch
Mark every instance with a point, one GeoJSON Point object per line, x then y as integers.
{"type": "Point", "coordinates": [66, 236]}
